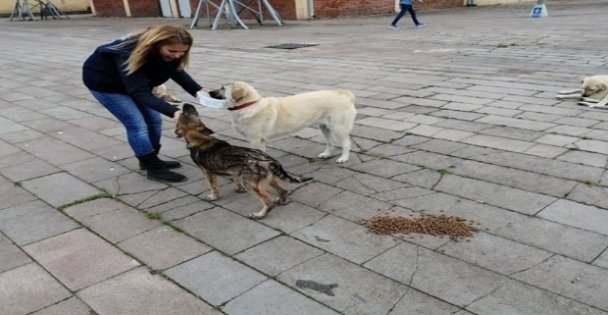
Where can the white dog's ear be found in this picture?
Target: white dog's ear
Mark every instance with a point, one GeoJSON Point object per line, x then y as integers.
{"type": "Point", "coordinates": [237, 92]}
{"type": "Point", "coordinates": [602, 86]}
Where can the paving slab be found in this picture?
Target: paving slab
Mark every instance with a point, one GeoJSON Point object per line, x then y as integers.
{"type": "Point", "coordinates": [183, 211]}
{"type": "Point", "coordinates": [225, 230]}
{"type": "Point", "coordinates": [495, 253]}
{"type": "Point", "coordinates": [571, 213]}
{"type": "Point", "coordinates": [80, 258]}
{"type": "Point", "coordinates": [60, 189]}
{"type": "Point", "coordinates": [345, 239]}
{"type": "Point", "coordinates": [344, 286]}
{"type": "Point", "coordinates": [138, 292]}
{"type": "Point", "coordinates": [55, 151]}
{"type": "Point", "coordinates": [93, 208]}
{"type": "Point", "coordinates": [84, 138]}
{"type": "Point", "coordinates": [545, 166]}
{"type": "Point", "coordinates": [12, 256]}
{"type": "Point", "coordinates": [33, 221]}
{"type": "Point", "coordinates": [293, 217]}
{"type": "Point", "coordinates": [163, 247]}
{"type": "Point", "coordinates": [518, 298]}
{"type": "Point", "coordinates": [432, 270]}
{"type": "Point", "coordinates": [9, 126]}
{"type": "Point", "coordinates": [531, 231]}
{"type": "Point", "coordinates": [501, 196]}
{"type": "Point", "coordinates": [28, 288]}
{"type": "Point", "coordinates": [515, 178]}
{"type": "Point", "coordinates": [589, 194]}
{"type": "Point", "coordinates": [13, 195]}
{"type": "Point", "coordinates": [602, 260]}
{"type": "Point", "coordinates": [415, 302]}
{"type": "Point", "coordinates": [120, 225]}
{"type": "Point", "coordinates": [20, 136]}
{"type": "Point", "coordinates": [354, 207]}
{"type": "Point", "coordinates": [283, 299]}
{"type": "Point", "coordinates": [278, 255]}
{"type": "Point", "coordinates": [366, 184]}
{"type": "Point", "coordinates": [130, 184]}
{"type": "Point", "coordinates": [569, 278]}
{"type": "Point", "coordinates": [72, 306]}
{"type": "Point", "coordinates": [28, 170]}
{"type": "Point", "coordinates": [95, 169]}
{"type": "Point", "coordinates": [216, 278]}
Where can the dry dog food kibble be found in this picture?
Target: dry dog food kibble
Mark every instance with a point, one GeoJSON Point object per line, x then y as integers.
{"type": "Point", "coordinates": [455, 228]}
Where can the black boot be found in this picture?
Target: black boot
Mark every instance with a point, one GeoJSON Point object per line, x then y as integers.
{"type": "Point", "coordinates": [156, 169]}
{"type": "Point", "coordinates": [167, 164]}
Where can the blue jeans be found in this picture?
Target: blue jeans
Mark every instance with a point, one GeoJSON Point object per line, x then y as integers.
{"type": "Point", "coordinates": [404, 9]}
{"type": "Point", "coordinates": [144, 125]}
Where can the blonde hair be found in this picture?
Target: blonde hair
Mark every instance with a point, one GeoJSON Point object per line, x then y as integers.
{"type": "Point", "coordinates": [150, 40]}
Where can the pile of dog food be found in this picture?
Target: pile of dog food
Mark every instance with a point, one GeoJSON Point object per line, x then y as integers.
{"type": "Point", "coordinates": [436, 225]}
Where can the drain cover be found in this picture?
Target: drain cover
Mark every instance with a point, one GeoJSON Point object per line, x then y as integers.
{"type": "Point", "coordinates": [291, 46]}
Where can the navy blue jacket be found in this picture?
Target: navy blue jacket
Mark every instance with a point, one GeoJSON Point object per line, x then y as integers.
{"type": "Point", "coordinates": [104, 71]}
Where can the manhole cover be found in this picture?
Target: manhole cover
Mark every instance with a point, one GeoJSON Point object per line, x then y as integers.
{"type": "Point", "coordinates": [291, 46]}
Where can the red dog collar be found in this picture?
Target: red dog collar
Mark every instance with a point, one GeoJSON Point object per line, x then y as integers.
{"type": "Point", "coordinates": [242, 106]}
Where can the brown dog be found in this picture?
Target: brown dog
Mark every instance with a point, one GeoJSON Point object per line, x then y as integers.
{"type": "Point", "coordinates": [251, 169]}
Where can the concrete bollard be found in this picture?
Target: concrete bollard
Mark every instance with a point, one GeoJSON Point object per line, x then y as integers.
{"type": "Point", "coordinates": [539, 10]}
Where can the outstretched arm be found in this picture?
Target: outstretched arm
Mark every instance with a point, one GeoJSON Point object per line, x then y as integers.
{"type": "Point", "coordinates": [137, 87]}
{"type": "Point", "coordinates": [182, 78]}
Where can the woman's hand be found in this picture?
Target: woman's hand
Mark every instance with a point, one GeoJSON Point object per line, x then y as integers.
{"type": "Point", "coordinates": [177, 114]}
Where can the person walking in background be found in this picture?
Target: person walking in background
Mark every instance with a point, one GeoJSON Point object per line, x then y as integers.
{"type": "Point", "coordinates": [406, 6]}
{"type": "Point", "coordinates": [121, 75]}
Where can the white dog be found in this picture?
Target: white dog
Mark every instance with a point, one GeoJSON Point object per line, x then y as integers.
{"type": "Point", "coordinates": [262, 118]}
{"type": "Point", "coordinates": [594, 92]}
{"type": "Point", "coordinates": [160, 91]}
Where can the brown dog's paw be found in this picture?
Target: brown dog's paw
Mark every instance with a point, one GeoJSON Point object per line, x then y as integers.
{"type": "Point", "coordinates": [212, 197]}
{"type": "Point", "coordinates": [282, 201]}
{"type": "Point", "coordinates": [240, 189]}
{"type": "Point", "coordinates": [255, 216]}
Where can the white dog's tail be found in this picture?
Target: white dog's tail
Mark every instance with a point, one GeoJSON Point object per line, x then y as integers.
{"type": "Point", "coordinates": [349, 94]}
{"type": "Point", "coordinates": [349, 119]}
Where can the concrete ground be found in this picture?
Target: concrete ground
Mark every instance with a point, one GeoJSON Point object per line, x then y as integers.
{"type": "Point", "coordinates": [457, 118]}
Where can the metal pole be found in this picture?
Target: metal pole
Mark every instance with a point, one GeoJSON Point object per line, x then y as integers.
{"type": "Point", "coordinates": [540, 1]}
{"type": "Point", "coordinates": [197, 14]}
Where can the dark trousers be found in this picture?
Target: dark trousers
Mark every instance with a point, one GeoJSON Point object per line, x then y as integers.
{"type": "Point", "coordinates": [404, 9]}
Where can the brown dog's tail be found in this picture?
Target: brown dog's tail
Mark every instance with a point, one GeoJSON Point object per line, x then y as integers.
{"type": "Point", "coordinates": [278, 171]}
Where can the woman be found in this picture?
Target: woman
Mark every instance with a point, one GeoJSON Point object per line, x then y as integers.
{"type": "Point", "coordinates": [406, 6]}
{"type": "Point", "coordinates": [121, 75]}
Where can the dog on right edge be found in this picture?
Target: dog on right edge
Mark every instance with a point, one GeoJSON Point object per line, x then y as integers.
{"type": "Point", "coordinates": [262, 118]}
{"type": "Point", "coordinates": [594, 92]}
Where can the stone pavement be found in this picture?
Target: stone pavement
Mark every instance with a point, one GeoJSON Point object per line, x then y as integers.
{"type": "Point", "coordinates": [456, 118]}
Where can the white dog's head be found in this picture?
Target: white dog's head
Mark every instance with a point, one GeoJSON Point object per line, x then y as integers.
{"type": "Point", "coordinates": [593, 86]}
{"type": "Point", "coordinates": [235, 93]}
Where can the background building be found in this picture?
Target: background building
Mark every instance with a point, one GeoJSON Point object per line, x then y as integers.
{"type": "Point", "coordinates": [288, 9]}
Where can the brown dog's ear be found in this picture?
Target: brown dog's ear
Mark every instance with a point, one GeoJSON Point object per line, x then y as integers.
{"type": "Point", "coordinates": [206, 131]}
{"type": "Point", "coordinates": [237, 92]}
{"type": "Point", "coordinates": [179, 133]}
{"type": "Point", "coordinates": [189, 109]}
